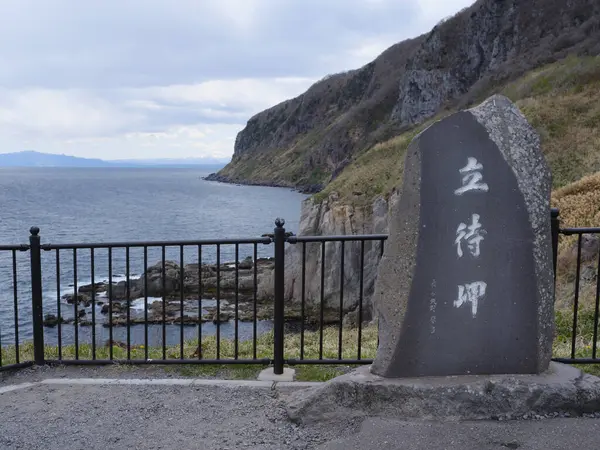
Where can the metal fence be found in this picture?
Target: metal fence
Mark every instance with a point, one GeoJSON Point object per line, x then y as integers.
{"type": "Point", "coordinates": [213, 301]}
{"type": "Point", "coordinates": [586, 332]}
{"type": "Point", "coordinates": [11, 355]}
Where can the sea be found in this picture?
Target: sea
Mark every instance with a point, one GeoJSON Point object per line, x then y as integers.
{"type": "Point", "coordinates": [118, 205]}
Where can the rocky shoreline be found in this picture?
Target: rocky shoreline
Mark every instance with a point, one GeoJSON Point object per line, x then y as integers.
{"type": "Point", "coordinates": [303, 189]}
{"type": "Point", "coordinates": [245, 294]}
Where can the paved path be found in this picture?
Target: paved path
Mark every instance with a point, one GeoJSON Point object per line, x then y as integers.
{"type": "Point", "coordinates": [549, 434]}
{"type": "Point", "coordinates": [44, 413]}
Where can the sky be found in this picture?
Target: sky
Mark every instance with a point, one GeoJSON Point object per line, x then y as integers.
{"type": "Point", "coordinates": [133, 79]}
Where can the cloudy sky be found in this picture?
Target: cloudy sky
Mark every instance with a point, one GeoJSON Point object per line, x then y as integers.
{"type": "Point", "coordinates": [177, 78]}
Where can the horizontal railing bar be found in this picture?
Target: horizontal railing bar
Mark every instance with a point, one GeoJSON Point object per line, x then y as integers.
{"type": "Point", "coordinates": [577, 360]}
{"type": "Point", "coordinates": [345, 238]}
{"type": "Point", "coordinates": [21, 365]}
{"type": "Point", "coordinates": [20, 247]}
{"type": "Point", "coordinates": [265, 241]}
{"type": "Point", "coordinates": [92, 362]}
{"type": "Point", "coordinates": [571, 231]}
{"type": "Point", "coordinates": [297, 362]}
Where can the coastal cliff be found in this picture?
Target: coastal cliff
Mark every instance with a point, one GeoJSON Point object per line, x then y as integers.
{"type": "Point", "coordinates": [309, 140]}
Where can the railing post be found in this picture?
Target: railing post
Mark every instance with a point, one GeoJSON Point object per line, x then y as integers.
{"type": "Point", "coordinates": [278, 319]}
{"type": "Point", "coordinates": [36, 295]}
{"type": "Point", "coordinates": [554, 228]}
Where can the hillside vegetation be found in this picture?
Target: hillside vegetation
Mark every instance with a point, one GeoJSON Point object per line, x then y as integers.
{"type": "Point", "coordinates": [562, 102]}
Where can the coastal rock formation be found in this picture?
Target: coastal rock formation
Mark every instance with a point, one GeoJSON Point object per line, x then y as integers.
{"type": "Point", "coordinates": [332, 218]}
{"type": "Point", "coordinates": [195, 280]}
{"type": "Point", "coordinates": [124, 301]}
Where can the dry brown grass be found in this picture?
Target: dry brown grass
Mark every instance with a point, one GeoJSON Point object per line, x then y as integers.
{"type": "Point", "coordinates": [569, 128]}
{"type": "Point", "coordinates": [579, 205]}
{"type": "Point", "coordinates": [374, 173]}
{"type": "Point", "coordinates": [579, 202]}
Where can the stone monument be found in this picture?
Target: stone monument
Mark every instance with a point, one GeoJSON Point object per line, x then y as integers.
{"type": "Point", "coordinates": [465, 285]}
{"type": "Point", "coordinates": [465, 290]}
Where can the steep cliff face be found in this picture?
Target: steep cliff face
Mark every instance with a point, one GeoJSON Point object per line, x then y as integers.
{"type": "Point", "coordinates": [304, 140]}
{"type": "Point", "coordinates": [309, 139]}
{"type": "Point", "coordinates": [492, 41]}
{"type": "Point", "coordinates": [332, 218]}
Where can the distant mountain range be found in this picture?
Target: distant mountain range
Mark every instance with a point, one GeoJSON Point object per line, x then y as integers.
{"type": "Point", "coordinates": [31, 158]}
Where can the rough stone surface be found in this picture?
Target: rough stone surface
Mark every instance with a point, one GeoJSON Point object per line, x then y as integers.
{"type": "Point", "coordinates": [507, 325]}
{"type": "Point", "coordinates": [520, 146]}
{"type": "Point", "coordinates": [560, 390]}
{"type": "Point", "coordinates": [556, 434]}
{"type": "Point", "coordinates": [331, 218]}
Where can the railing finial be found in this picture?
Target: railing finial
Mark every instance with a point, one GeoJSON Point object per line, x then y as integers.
{"type": "Point", "coordinates": [279, 222]}
{"type": "Point", "coordinates": [34, 231]}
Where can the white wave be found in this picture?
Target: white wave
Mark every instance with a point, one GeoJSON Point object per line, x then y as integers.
{"type": "Point", "coordinates": [69, 288]}
{"type": "Point", "coordinates": [138, 305]}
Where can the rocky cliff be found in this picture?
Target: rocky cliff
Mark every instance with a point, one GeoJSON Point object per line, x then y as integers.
{"type": "Point", "coordinates": [304, 268]}
{"type": "Point", "coordinates": [330, 217]}
{"type": "Point", "coordinates": [308, 140]}
{"type": "Point", "coordinates": [303, 141]}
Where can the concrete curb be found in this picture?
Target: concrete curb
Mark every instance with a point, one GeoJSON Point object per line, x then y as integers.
{"type": "Point", "coordinates": [163, 382]}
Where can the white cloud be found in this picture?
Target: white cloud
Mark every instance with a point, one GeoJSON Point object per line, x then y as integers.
{"type": "Point", "coordinates": [52, 114]}
{"type": "Point", "coordinates": [173, 142]}
{"type": "Point", "coordinates": [242, 94]}
{"type": "Point", "coordinates": [189, 120]}
{"type": "Point", "coordinates": [153, 78]}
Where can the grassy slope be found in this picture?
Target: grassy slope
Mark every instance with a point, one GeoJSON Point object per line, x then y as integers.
{"type": "Point", "coordinates": [562, 101]}
{"type": "Point", "coordinates": [288, 163]}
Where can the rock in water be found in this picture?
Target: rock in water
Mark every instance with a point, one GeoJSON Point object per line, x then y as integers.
{"type": "Point", "coordinates": [465, 285]}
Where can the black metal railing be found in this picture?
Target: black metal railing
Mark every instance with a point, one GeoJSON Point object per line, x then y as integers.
{"type": "Point", "coordinates": [569, 272]}
{"type": "Point", "coordinates": [278, 300]}
{"type": "Point", "coordinates": [11, 352]}
{"type": "Point", "coordinates": [175, 309]}
{"type": "Point", "coordinates": [343, 245]}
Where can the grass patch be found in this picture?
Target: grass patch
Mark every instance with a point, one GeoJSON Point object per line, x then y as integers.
{"type": "Point", "coordinates": [584, 338]}
{"type": "Point", "coordinates": [264, 349]}
{"type": "Point", "coordinates": [374, 172]}
{"type": "Point", "coordinates": [562, 348]}
{"type": "Point", "coordinates": [320, 372]}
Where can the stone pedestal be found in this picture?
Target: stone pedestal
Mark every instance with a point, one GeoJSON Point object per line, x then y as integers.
{"type": "Point", "coordinates": [560, 389]}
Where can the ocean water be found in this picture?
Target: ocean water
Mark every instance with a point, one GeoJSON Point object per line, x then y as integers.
{"type": "Point", "coordinates": [97, 205]}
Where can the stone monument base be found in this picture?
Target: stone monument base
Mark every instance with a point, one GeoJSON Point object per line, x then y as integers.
{"type": "Point", "coordinates": [561, 389]}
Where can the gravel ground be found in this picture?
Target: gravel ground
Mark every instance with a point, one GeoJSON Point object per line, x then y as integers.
{"type": "Point", "coordinates": [75, 416]}
{"type": "Point", "coordinates": [153, 417]}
